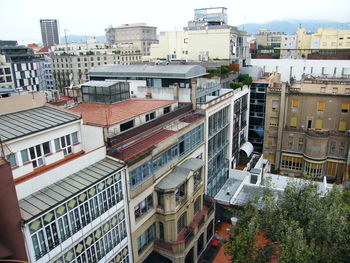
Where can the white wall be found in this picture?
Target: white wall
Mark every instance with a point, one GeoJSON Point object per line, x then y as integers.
{"type": "Point", "coordinates": [60, 172]}
{"type": "Point", "coordinates": [296, 67]}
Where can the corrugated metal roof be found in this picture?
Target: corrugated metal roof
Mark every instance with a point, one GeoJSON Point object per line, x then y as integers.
{"type": "Point", "coordinates": [22, 123]}
{"type": "Point", "coordinates": [179, 174]}
{"type": "Point", "coordinates": [58, 192]}
{"type": "Point", "coordinates": [95, 83]}
{"type": "Point", "coordinates": [151, 71]}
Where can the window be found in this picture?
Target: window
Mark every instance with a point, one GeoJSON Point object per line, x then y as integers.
{"type": "Point", "coordinates": [309, 123]}
{"type": "Point", "coordinates": [36, 156]}
{"type": "Point", "coordinates": [161, 230]}
{"type": "Point", "coordinates": [180, 192]}
{"type": "Point", "coordinates": [301, 144]}
{"type": "Point", "coordinates": [181, 222]}
{"type": "Point", "coordinates": [197, 178]}
{"type": "Point", "coordinates": [127, 125]}
{"type": "Point", "coordinates": [150, 116]}
{"type": "Point", "coordinates": [12, 159]}
{"type": "Point", "coordinates": [345, 107]}
{"type": "Point", "coordinates": [291, 162]}
{"type": "Point", "coordinates": [197, 205]}
{"type": "Point", "coordinates": [24, 155]}
{"type": "Point", "coordinates": [143, 207]}
{"type": "Point", "coordinates": [146, 238]}
{"type": "Point", "coordinates": [347, 91]}
{"type": "Point", "coordinates": [275, 105]}
{"type": "Point", "coordinates": [64, 143]}
{"type": "Point", "coordinates": [342, 148]}
{"type": "Point", "coordinates": [342, 126]}
{"type": "Point", "coordinates": [320, 105]}
{"type": "Point", "coordinates": [166, 110]}
{"type": "Point", "coordinates": [319, 123]}
{"type": "Point", "coordinates": [293, 122]}
{"type": "Point", "coordinates": [75, 137]}
{"type": "Point", "coordinates": [295, 103]}
{"type": "Point", "coordinates": [335, 90]}
{"type": "Point", "coordinates": [332, 147]}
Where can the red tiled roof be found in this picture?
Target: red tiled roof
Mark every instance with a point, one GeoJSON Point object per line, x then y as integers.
{"type": "Point", "coordinates": [104, 114]}
{"type": "Point", "coordinates": [44, 49]}
{"type": "Point", "coordinates": [64, 98]}
{"type": "Point", "coordinates": [260, 80]}
{"type": "Point", "coordinates": [146, 142]}
{"type": "Point", "coordinates": [192, 118]}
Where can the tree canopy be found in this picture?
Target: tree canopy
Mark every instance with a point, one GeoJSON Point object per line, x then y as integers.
{"type": "Point", "coordinates": [300, 226]}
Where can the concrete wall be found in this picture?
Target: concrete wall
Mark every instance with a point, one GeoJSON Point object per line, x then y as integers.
{"type": "Point", "coordinates": [22, 102]}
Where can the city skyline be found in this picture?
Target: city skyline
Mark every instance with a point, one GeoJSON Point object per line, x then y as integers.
{"type": "Point", "coordinates": [76, 17]}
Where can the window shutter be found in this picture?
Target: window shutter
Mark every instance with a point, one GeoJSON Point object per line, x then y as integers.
{"type": "Point", "coordinates": [320, 106]}
{"type": "Point", "coordinates": [342, 126]}
{"type": "Point", "coordinates": [293, 121]}
{"type": "Point", "coordinates": [319, 124]}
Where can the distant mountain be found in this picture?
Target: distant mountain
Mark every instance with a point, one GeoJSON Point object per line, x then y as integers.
{"type": "Point", "coordinates": [290, 26]}
{"type": "Point", "coordinates": [81, 38]}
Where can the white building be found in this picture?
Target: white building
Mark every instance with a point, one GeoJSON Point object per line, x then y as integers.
{"type": "Point", "coordinates": [70, 194]}
{"type": "Point", "coordinates": [297, 67]}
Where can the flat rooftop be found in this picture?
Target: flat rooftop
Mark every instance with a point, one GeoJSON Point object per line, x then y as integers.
{"type": "Point", "coordinates": [104, 84]}
{"type": "Point", "coordinates": [149, 71]}
{"type": "Point", "coordinates": [109, 114]}
{"type": "Point", "coordinates": [18, 124]}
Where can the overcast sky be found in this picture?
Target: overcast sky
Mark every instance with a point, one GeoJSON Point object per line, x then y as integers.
{"type": "Point", "coordinates": [19, 19]}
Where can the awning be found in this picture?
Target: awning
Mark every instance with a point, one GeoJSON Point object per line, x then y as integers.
{"type": "Point", "coordinates": [248, 148]}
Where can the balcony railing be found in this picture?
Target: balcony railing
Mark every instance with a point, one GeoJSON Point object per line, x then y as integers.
{"type": "Point", "coordinates": [188, 233]}
{"type": "Point", "coordinates": [318, 133]}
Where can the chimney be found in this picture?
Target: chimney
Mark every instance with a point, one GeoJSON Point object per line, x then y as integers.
{"type": "Point", "coordinates": [176, 91]}
{"type": "Point", "coordinates": [194, 93]}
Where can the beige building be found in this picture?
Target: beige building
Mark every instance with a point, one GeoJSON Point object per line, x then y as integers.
{"type": "Point", "coordinates": [72, 69]}
{"type": "Point", "coordinates": [221, 43]}
{"type": "Point", "coordinates": [324, 38]}
{"type": "Point", "coordinates": [138, 34]}
{"type": "Point", "coordinates": [307, 127]}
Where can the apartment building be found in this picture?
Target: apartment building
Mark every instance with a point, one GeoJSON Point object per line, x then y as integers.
{"type": "Point", "coordinates": [162, 143]}
{"type": "Point", "coordinates": [67, 197]}
{"type": "Point", "coordinates": [72, 69]}
{"type": "Point", "coordinates": [49, 32]}
{"type": "Point", "coordinates": [208, 37]}
{"type": "Point", "coordinates": [138, 34]}
{"type": "Point", "coordinates": [27, 69]}
{"type": "Point", "coordinates": [6, 81]}
{"type": "Point", "coordinates": [189, 84]}
{"type": "Point", "coordinates": [306, 128]}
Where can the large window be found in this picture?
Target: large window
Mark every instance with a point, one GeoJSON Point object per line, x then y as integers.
{"type": "Point", "coordinates": [143, 207]}
{"type": "Point", "coordinates": [291, 162]}
{"type": "Point", "coordinates": [36, 154]}
{"type": "Point", "coordinates": [146, 238]}
{"type": "Point", "coordinates": [60, 223]}
{"type": "Point", "coordinates": [127, 125]}
{"type": "Point", "coordinates": [180, 192]}
{"type": "Point", "coordinates": [197, 204]}
{"type": "Point", "coordinates": [150, 116]}
{"type": "Point", "coordinates": [99, 243]}
{"type": "Point", "coordinates": [186, 144]}
{"type": "Point", "coordinates": [197, 178]}
{"type": "Point", "coordinates": [181, 222]}
{"type": "Point", "coordinates": [12, 159]}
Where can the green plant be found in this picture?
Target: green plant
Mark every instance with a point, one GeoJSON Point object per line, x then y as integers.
{"type": "Point", "coordinates": [275, 55]}
{"type": "Point", "coordinates": [245, 79]}
{"type": "Point", "coordinates": [236, 85]}
{"type": "Point", "coordinates": [213, 71]}
{"type": "Point", "coordinates": [224, 69]}
{"type": "Point", "coordinates": [117, 51]}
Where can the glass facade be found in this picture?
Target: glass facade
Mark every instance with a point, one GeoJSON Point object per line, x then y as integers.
{"type": "Point", "coordinates": [58, 224]}
{"type": "Point", "coordinates": [96, 245]}
{"type": "Point", "coordinates": [108, 95]}
{"type": "Point", "coordinates": [186, 144]}
{"type": "Point", "coordinates": [217, 150]}
{"type": "Point", "coordinates": [257, 114]}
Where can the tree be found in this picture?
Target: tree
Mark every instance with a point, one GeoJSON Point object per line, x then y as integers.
{"type": "Point", "coordinates": [245, 79]}
{"type": "Point", "coordinates": [300, 226]}
{"type": "Point", "coordinates": [236, 85]}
